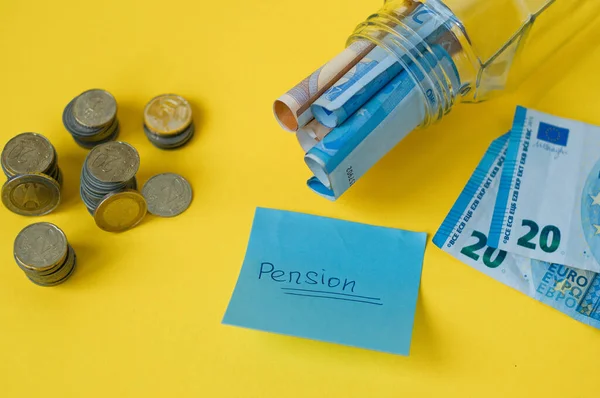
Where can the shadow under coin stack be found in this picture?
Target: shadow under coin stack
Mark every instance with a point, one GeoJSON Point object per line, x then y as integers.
{"type": "Point", "coordinates": [42, 251]}
{"type": "Point", "coordinates": [168, 121]}
{"type": "Point", "coordinates": [91, 118]}
{"type": "Point", "coordinates": [34, 179]}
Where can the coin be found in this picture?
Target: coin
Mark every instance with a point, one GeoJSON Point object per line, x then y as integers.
{"type": "Point", "coordinates": [95, 108]}
{"type": "Point", "coordinates": [170, 141]}
{"type": "Point", "coordinates": [113, 161]}
{"type": "Point", "coordinates": [28, 153]}
{"type": "Point", "coordinates": [59, 274]}
{"type": "Point", "coordinates": [40, 246]}
{"type": "Point", "coordinates": [167, 114]}
{"type": "Point", "coordinates": [120, 211]}
{"type": "Point", "coordinates": [31, 194]}
{"type": "Point", "coordinates": [167, 194]}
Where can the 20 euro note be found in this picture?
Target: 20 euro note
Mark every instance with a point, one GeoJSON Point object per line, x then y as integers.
{"type": "Point", "coordinates": [463, 234]}
{"type": "Point", "coordinates": [548, 204]}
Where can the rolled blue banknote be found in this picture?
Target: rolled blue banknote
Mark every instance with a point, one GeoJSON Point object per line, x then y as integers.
{"type": "Point", "coordinates": [463, 234]}
{"type": "Point", "coordinates": [548, 205]}
{"type": "Point", "coordinates": [349, 150]}
{"type": "Point", "coordinates": [372, 73]}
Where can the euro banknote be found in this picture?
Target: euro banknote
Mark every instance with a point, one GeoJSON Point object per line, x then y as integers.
{"type": "Point", "coordinates": [374, 71]}
{"type": "Point", "coordinates": [309, 135]}
{"type": "Point", "coordinates": [463, 234]}
{"type": "Point", "coordinates": [350, 150]}
{"type": "Point", "coordinates": [548, 204]}
{"type": "Point", "coordinates": [292, 109]}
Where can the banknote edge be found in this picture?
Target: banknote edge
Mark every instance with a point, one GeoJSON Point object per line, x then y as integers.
{"type": "Point", "coordinates": [470, 190]}
{"type": "Point", "coordinates": [507, 178]}
{"type": "Point", "coordinates": [320, 189]}
{"type": "Point", "coordinates": [439, 57]}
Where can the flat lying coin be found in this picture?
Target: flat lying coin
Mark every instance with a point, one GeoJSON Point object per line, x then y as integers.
{"type": "Point", "coordinates": [40, 246]}
{"type": "Point", "coordinates": [113, 161]}
{"type": "Point", "coordinates": [31, 194]}
{"type": "Point", "coordinates": [167, 194]}
{"type": "Point", "coordinates": [28, 153]}
{"type": "Point", "coordinates": [120, 211]}
{"type": "Point", "coordinates": [167, 114]}
{"type": "Point", "coordinates": [95, 108]}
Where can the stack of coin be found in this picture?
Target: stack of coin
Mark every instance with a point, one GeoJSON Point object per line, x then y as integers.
{"type": "Point", "coordinates": [168, 121]}
{"type": "Point", "coordinates": [108, 168]}
{"type": "Point", "coordinates": [91, 118]}
{"type": "Point", "coordinates": [31, 164]}
{"type": "Point", "coordinates": [30, 153]}
{"type": "Point", "coordinates": [42, 251]}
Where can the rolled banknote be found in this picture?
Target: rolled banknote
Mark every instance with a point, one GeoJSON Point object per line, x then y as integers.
{"type": "Point", "coordinates": [463, 234]}
{"type": "Point", "coordinates": [292, 109]}
{"type": "Point", "coordinates": [374, 71]}
{"type": "Point", "coordinates": [309, 135]}
{"type": "Point", "coordinates": [548, 204]}
{"type": "Point", "coordinates": [355, 88]}
{"type": "Point", "coordinates": [349, 150]}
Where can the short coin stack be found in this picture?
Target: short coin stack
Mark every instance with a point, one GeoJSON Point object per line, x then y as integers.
{"type": "Point", "coordinates": [31, 164]}
{"type": "Point", "coordinates": [168, 121]}
{"type": "Point", "coordinates": [42, 251]}
{"type": "Point", "coordinates": [109, 168]}
{"type": "Point", "coordinates": [91, 118]}
{"type": "Point", "coordinates": [30, 153]}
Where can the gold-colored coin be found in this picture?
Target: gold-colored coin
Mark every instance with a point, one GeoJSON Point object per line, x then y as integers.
{"type": "Point", "coordinates": [120, 211]}
{"type": "Point", "coordinates": [168, 114]}
{"type": "Point", "coordinates": [31, 194]}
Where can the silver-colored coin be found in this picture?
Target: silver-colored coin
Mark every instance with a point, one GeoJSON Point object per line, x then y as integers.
{"type": "Point", "coordinates": [167, 194]}
{"type": "Point", "coordinates": [95, 108]}
{"type": "Point", "coordinates": [113, 161]}
{"type": "Point", "coordinates": [170, 141]}
{"type": "Point", "coordinates": [41, 246]}
{"type": "Point", "coordinates": [55, 279]}
{"type": "Point", "coordinates": [28, 153]}
{"type": "Point", "coordinates": [59, 274]}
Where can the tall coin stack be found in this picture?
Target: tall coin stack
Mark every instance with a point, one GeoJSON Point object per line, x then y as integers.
{"type": "Point", "coordinates": [42, 251]}
{"type": "Point", "coordinates": [91, 118]}
{"type": "Point", "coordinates": [31, 164]}
{"type": "Point", "coordinates": [168, 121]}
{"type": "Point", "coordinates": [109, 168]}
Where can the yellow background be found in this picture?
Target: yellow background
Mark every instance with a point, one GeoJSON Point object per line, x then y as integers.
{"type": "Point", "coordinates": [141, 316]}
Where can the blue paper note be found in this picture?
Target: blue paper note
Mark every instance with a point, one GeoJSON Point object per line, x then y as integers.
{"type": "Point", "coordinates": [329, 280]}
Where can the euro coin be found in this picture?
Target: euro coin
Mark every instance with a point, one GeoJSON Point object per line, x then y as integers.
{"type": "Point", "coordinates": [170, 141]}
{"type": "Point", "coordinates": [167, 114]}
{"type": "Point", "coordinates": [113, 161]}
{"type": "Point", "coordinates": [120, 211]}
{"type": "Point", "coordinates": [40, 247]}
{"type": "Point", "coordinates": [167, 194]}
{"type": "Point", "coordinates": [31, 194]}
{"type": "Point", "coordinates": [28, 153]}
{"type": "Point", "coordinates": [95, 108]}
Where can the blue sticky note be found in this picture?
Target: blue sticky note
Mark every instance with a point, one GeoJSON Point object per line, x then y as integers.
{"type": "Point", "coordinates": [329, 280]}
